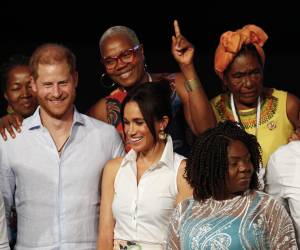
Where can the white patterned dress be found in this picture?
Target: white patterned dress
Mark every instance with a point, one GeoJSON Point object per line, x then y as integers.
{"type": "Point", "coordinates": [250, 221]}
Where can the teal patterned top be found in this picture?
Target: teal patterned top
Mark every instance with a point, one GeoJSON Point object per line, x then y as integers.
{"type": "Point", "coordinates": [250, 221]}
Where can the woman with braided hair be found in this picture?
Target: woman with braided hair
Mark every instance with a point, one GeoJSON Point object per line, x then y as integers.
{"type": "Point", "coordinates": [227, 211]}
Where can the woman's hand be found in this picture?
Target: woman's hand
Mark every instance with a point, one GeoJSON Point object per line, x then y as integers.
{"type": "Point", "coordinates": [8, 122]}
{"type": "Point", "coordinates": [182, 49]}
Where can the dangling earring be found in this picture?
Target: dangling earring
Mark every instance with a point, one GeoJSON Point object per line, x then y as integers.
{"type": "Point", "coordinates": [162, 136]}
{"type": "Point", "coordinates": [106, 81]}
{"type": "Point", "coordinates": [9, 110]}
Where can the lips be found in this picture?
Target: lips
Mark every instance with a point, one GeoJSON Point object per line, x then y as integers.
{"type": "Point", "coordinates": [249, 94]}
{"type": "Point", "coordinates": [125, 74]}
{"type": "Point", "coordinates": [134, 140]}
{"type": "Point", "coordinates": [27, 104]}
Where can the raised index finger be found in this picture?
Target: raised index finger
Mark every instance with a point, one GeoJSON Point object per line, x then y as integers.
{"type": "Point", "coordinates": [176, 28]}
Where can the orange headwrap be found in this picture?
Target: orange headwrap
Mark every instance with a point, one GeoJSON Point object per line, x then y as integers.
{"type": "Point", "coordinates": [231, 43]}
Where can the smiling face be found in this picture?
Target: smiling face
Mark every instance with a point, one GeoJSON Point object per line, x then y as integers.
{"type": "Point", "coordinates": [18, 91]}
{"type": "Point", "coordinates": [244, 79]}
{"type": "Point", "coordinates": [127, 74]}
{"type": "Point", "coordinates": [240, 169]}
{"type": "Point", "coordinates": [55, 89]}
{"type": "Point", "coordinates": [136, 130]}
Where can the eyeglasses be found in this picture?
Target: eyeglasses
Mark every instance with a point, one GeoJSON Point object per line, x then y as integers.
{"type": "Point", "coordinates": [126, 56]}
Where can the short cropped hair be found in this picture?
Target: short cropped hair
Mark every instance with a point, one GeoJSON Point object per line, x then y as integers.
{"type": "Point", "coordinates": [51, 53]}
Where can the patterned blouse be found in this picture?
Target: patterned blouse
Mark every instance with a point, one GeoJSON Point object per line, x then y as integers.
{"type": "Point", "coordinates": [250, 221]}
{"type": "Point", "coordinates": [274, 128]}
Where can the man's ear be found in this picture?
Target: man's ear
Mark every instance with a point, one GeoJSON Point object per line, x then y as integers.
{"type": "Point", "coordinates": [33, 84]}
{"type": "Point", "coordinates": [75, 76]}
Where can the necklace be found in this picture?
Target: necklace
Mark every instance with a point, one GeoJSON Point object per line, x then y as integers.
{"type": "Point", "coordinates": [236, 116]}
{"type": "Point", "coordinates": [62, 146]}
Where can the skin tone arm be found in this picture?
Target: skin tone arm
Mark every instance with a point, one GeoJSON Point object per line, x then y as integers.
{"type": "Point", "coordinates": [98, 110]}
{"type": "Point", "coordinates": [184, 189]}
{"type": "Point", "coordinates": [106, 220]}
{"type": "Point", "coordinates": [8, 122]}
{"type": "Point", "coordinates": [293, 110]}
{"type": "Point", "coordinates": [197, 109]}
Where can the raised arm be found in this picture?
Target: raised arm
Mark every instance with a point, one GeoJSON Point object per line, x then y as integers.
{"type": "Point", "coordinates": [197, 109]}
{"type": "Point", "coordinates": [106, 219]}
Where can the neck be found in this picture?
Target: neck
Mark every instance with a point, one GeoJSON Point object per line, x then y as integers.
{"type": "Point", "coordinates": [151, 156]}
{"type": "Point", "coordinates": [57, 124]}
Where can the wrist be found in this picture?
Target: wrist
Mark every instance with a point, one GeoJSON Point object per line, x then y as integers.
{"type": "Point", "coordinates": [191, 85]}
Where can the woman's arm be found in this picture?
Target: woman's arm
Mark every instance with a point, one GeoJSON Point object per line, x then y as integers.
{"type": "Point", "coordinates": [98, 110]}
{"type": "Point", "coordinates": [106, 220]}
{"type": "Point", "coordinates": [184, 189]}
{"type": "Point", "coordinates": [197, 109]}
{"type": "Point", "coordinates": [293, 112]}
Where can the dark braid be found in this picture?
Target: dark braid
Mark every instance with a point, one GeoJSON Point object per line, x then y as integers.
{"type": "Point", "coordinates": [207, 165]}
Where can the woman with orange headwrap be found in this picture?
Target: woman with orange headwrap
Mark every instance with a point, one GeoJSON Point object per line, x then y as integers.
{"type": "Point", "coordinates": [270, 114]}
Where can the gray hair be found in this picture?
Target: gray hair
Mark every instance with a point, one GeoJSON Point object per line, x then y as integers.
{"type": "Point", "coordinates": [115, 30]}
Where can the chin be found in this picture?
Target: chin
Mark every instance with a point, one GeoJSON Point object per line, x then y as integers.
{"type": "Point", "coordinates": [127, 83]}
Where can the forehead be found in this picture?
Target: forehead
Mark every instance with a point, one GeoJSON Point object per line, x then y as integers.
{"type": "Point", "coordinates": [132, 110]}
{"type": "Point", "coordinates": [115, 44]}
{"type": "Point", "coordinates": [245, 62]}
{"type": "Point", "coordinates": [237, 148]}
{"type": "Point", "coordinates": [56, 70]}
{"type": "Point", "coordinates": [19, 69]}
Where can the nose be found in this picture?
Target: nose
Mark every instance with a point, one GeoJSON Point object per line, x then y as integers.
{"type": "Point", "coordinates": [248, 82]}
{"type": "Point", "coordinates": [26, 92]}
{"type": "Point", "coordinates": [245, 166]}
{"type": "Point", "coordinates": [56, 91]}
{"type": "Point", "coordinates": [131, 129]}
{"type": "Point", "coordinates": [120, 64]}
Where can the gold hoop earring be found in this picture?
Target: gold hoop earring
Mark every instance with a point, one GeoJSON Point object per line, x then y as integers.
{"type": "Point", "coordinates": [162, 136]}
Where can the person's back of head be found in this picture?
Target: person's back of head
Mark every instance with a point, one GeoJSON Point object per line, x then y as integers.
{"type": "Point", "coordinates": [207, 166]}
{"type": "Point", "coordinates": [154, 101]}
{"type": "Point", "coordinates": [52, 53]}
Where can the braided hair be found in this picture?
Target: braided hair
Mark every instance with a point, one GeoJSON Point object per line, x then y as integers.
{"type": "Point", "coordinates": [207, 165]}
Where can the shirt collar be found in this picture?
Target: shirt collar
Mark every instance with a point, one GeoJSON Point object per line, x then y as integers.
{"type": "Point", "coordinates": [167, 158]}
{"type": "Point", "coordinates": [35, 121]}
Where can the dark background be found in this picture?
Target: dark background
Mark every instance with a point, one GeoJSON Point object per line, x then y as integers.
{"type": "Point", "coordinates": [80, 25]}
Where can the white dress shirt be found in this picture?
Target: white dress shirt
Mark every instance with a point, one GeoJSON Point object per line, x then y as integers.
{"type": "Point", "coordinates": [3, 231]}
{"type": "Point", "coordinates": [142, 210]}
{"type": "Point", "coordinates": [56, 196]}
{"type": "Point", "coordinates": [283, 180]}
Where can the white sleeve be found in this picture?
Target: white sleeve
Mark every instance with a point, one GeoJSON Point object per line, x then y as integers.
{"type": "Point", "coordinates": [3, 228]}
{"type": "Point", "coordinates": [273, 182]}
{"type": "Point", "coordinates": [7, 185]}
